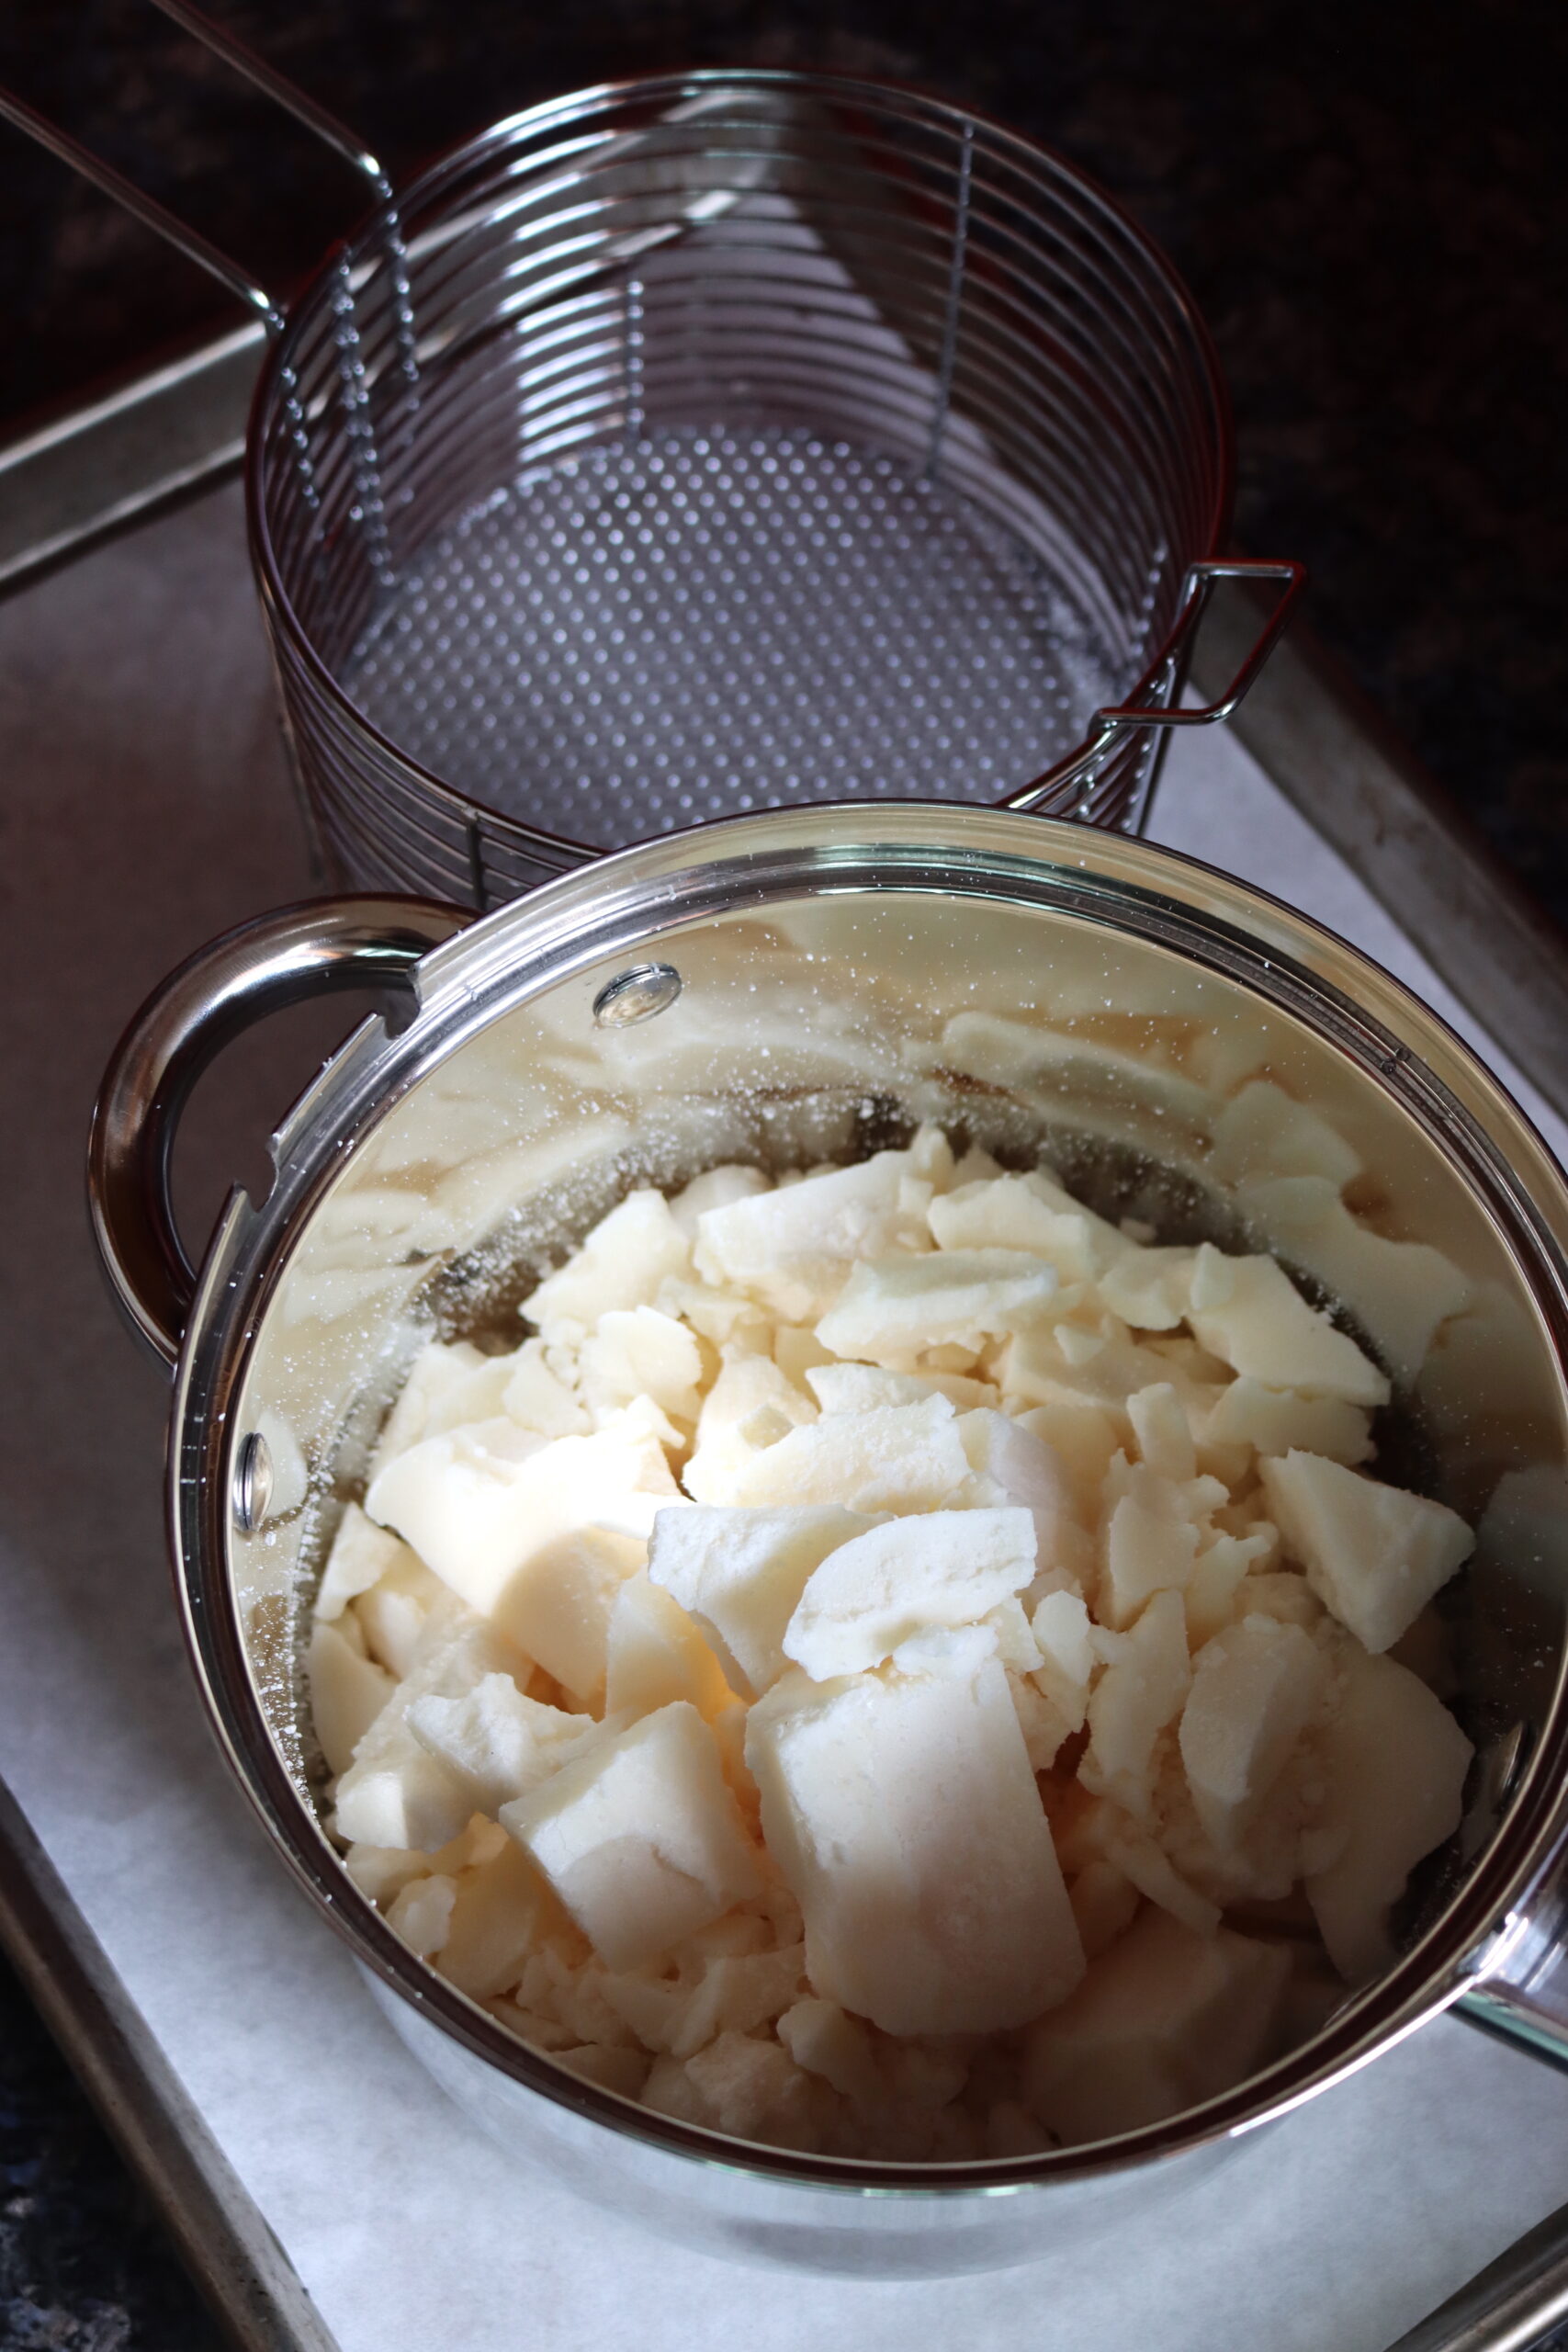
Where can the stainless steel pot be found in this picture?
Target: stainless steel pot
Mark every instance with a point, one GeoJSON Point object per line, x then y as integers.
{"type": "Point", "coordinates": [811, 982]}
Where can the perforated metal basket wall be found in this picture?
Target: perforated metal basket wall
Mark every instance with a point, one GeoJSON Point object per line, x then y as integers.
{"type": "Point", "coordinates": [713, 442]}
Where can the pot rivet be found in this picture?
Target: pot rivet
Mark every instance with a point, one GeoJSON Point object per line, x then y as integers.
{"type": "Point", "coordinates": [636, 995]}
{"type": "Point", "coordinates": [253, 1484]}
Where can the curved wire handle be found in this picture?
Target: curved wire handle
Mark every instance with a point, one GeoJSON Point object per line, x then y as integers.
{"type": "Point", "coordinates": [157, 217]}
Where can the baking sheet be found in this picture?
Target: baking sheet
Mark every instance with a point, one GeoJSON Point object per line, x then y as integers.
{"type": "Point", "coordinates": [149, 807]}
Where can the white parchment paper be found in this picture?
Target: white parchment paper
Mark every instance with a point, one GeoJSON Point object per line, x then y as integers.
{"type": "Point", "coordinates": [150, 808]}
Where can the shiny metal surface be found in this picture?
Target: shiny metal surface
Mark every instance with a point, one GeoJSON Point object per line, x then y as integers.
{"type": "Point", "coordinates": [1509, 2307]}
{"type": "Point", "coordinates": [859, 960]}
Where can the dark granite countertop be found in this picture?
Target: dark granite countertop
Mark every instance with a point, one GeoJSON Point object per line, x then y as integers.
{"type": "Point", "coordinates": [1369, 207]}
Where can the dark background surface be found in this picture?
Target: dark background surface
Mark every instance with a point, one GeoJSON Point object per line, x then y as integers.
{"type": "Point", "coordinates": [1369, 205]}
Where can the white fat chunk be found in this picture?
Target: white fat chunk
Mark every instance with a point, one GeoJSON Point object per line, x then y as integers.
{"type": "Point", "coordinates": [407, 1609]}
{"type": "Point", "coordinates": [620, 1265]}
{"type": "Point", "coordinates": [740, 1574]}
{"type": "Point", "coordinates": [1163, 1432]}
{"type": "Point", "coordinates": [942, 1567]}
{"type": "Point", "coordinates": [746, 2088]}
{"type": "Point", "coordinates": [824, 2039]}
{"type": "Point", "coordinates": [655, 1654]}
{"type": "Point", "coordinates": [735, 1420]}
{"type": "Point", "coordinates": [496, 1742]}
{"type": "Point", "coordinates": [1401, 1291]}
{"type": "Point", "coordinates": [636, 1353]}
{"type": "Point", "coordinates": [1164, 2018]}
{"type": "Point", "coordinates": [861, 1387]}
{"type": "Point", "coordinates": [1150, 1544]}
{"type": "Point", "coordinates": [1026, 1469]}
{"type": "Point", "coordinates": [1255, 1687]}
{"type": "Point", "coordinates": [1387, 1734]}
{"type": "Point", "coordinates": [1247, 1312]}
{"type": "Point", "coordinates": [395, 1792]}
{"type": "Point", "coordinates": [1219, 1574]}
{"type": "Point", "coordinates": [1149, 1288]}
{"type": "Point", "coordinates": [717, 1188]}
{"type": "Point", "coordinates": [536, 1544]}
{"type": "Point", "coordinates": [1083, 1439]}
{"type": "Point", "coordinates": [1145, 1680]}
{"type": "Point", "coordinates": [640, 1837]}
{"type": "Point", "coordinates": [1025, 1213]}
{"type": "Point", "coordinates": [1374, 1555]}
{"type": "Point", "coordinates": [444, 1386]}
{"type": "Point", "coordinates": [1067, 1659]}
{"type": "Point", "coordinates": [904, 1815]}
{"type": "Point", "coordinates": [1263, 1132]}
{"type": "Point", "coordinates": [1275, 1421]}
{"type": "Point", "coordinates": [362, 1554]}
{"type": "Point", "coordinates": [901, 1304]}
{"type": "Point", "coordinates": [793, 1246]}
{"type": "Point", "coordinates": [347, 1691]}
{"type": "Point", "coordinates": [421, 1914]}
{"type": "Point", "coordinates": [501, 1911]}
{"type": "Point", "coordinates": [738, 1992]}
{"type": "Point", "coordinates": [898, 1457]}
{"type": "Point", "coordinates": [537, 1397]}
{"type": "Point", "coordinates": [957, 1651]}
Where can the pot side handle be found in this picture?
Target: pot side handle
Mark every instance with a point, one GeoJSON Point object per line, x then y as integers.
{"type": "Point", "coordinates": [278, 959]}
{"type": "Point", "coordinates": [1523, 1997]}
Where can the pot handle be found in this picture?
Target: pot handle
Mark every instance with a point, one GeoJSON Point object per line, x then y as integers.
{"type": "Point", "coordinates": [279, 959]}
{"type": "Point", "coordinates": [1522, 1996]}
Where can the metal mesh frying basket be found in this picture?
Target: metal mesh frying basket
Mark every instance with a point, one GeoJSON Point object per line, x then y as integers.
{"type": "Point", "coordinates": [713, 442]}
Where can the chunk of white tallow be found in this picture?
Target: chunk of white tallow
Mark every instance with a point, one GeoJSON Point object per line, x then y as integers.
{"type": "Point", "coordinates": [1394, 1764]}
{"type": "Point", "coordinates": [1026, 1212]}
{"type": "Point", "coordinates": [495, 1741]}
{"type": "Point", "coordinates": [535, 1536]}
{"type": "Point", "coordinates": [905, 1817]}
{"type": "Point", "coordinates": [444, 1386]}
{"type": "Point", "coordinates": [641, 1352]}
{"type": "Point", "coordinates": [740, 1574]}
{"type": "Point", "coordinates": [640, 1837]}
{"type": "Point", "coordinates": [620, 1265]}
{"type": "Point", "coordinates": [1401, 1291]}
{"type": "Point", "coordinates": [898, 1457]}
{"type": "Point", "coordinates": [1247, 1312]}
{"type": "Point", "coordinates": [397, 1794]}
{"type": "Point", "coordinates": [1165, 2019]}
{"type": "Point", "coordinates": [791, 1249]}
{"type": "Point", "coordinates": [1143, 1687]}
{"type": "Point", "coordinates": [860, 1387]}
{"type": "Point", "coordinates": [1064, 1637]}
{"type": "Point", "coordinates": [1255, 1687]}
{"type": "Point", "coordinates": [655, 1654]}
{"type": "Point", "coordinates": [1374, 1555]}
{"type": "Point", "coordinates": [1273, 1421]}
{"type": "Point", "coordinates": [750, 1404]}
{"type": "Point", "coordinates": [1149, 1544]}
{"type": "Point", "coordinates": [501, 1913]}
{"type": "Point", "coordinates": [899, 1305]}
{"type": "Point", "coordinates": [361, 1555]}
{"type": "Point", "coordinates": [935, 1568]}
{"type": "Point", "coordinates": [347, 1691]}
{"type": "Point", "coordinates": [1028, 1471]}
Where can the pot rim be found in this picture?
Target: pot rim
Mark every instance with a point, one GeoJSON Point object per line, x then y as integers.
{"type": "Point", "coordinates": [653, 891]}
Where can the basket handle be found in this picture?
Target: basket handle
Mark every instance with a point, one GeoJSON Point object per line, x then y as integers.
{"type": "Point", "coordinates": [279, 959]}
{"type": "Point", "coordinates": [1164, 675]}
{"type": "Point", "coordinates": [155, 216]}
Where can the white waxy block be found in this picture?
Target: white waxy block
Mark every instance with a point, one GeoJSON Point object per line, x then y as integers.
{"type": "Point", "coordinates": [1149, 1288]}
{"type": "Point", "coordinates": [1061, 1629]}
{"type": "Point", "coordinates": [620, 1265]}
{"type": "Point", "coordinates": [1026, 1469]}
{"type": "Point", "coordinates": [496, 1742]}
{"type": "Point", "coordinates": [821, 2038]}
{"type": "Point", "coordinates": [1024, 1213]}
{"type": "Point", "coordinates": [1247, 1312]}
{"type": "Point", "coordinates": [793, 1247]}
{"type": "Point", "coordinates": [403, 1612]}
{"type": "Point", "coordinates": [904, 1815]}
{"type": "Point", "coordinates": [537, 1399]}
{"type": "Point", "coordinates": [347, 1691]}
{"type": "Point", "coordinates": [640, 1352]}
{"type": "Point", "coordinates": [421, 1914]}
{"type": "Point", "coordinates": [443, 1387]}
{"type": "Point", "coordinates": [655, 1654]}
{"type": "Point", "coordinates": [1161, 1428]}
{"type": "Point", "coordinates": [1255, 1687]}
{"type": "Point", "coordinates": [901, 1304]}
{"type": "Point", "coordinates": [752, 1402]}
{"type": "Point", "coordinates": [861, 1387]}
{"type": "Point", "coordinates": [395, 1792]}
{"type": "Point", "coordinates": [503, 1528]}
{"type": "Point", "coordinates": [1387, 1734]}
{"type": "Point", "coordinates": [502, 1909]}
{"type": "Point", "coordinates": [640, 1837]}
{"type": "Point", "coordinates": [1150, 1546]}
{"type": "Point", "coordinates": [1165, 2018]}
{"type": "Point", "coordinates": [361, 1555]}
{"type": "Point", "coordinates": [715, 1187]}
{"type": "Point", "coordinates": [1145, 1680]}
{"type": "Point", "coordinates": [1275, 1421]}
{"type": "Point", "coordinates": [898, 1457]}
{"type": "Point", "coordinates": [1401, 1291]}
{"type": "Point", "coordinates": [740, 1574]}
{"type": "Point", "coordinates": [942, 1567]}
{"type": "Point", "coordinates": [1374, 1555]}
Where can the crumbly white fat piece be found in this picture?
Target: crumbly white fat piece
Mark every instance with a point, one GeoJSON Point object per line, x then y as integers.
{"type": "Point", "coordinates": [640, 1837]}
{"type": "Point", "coordinates": [740, 1573]}
{"type": "Point", "coordinates": [943, 1483]}
{"type": "Point", "coordinates": [1374, 1555]}
{"type": "Point", "coordinates": [904, 1815]}
{"type": "Point", "coordinates": [936, 1568]}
